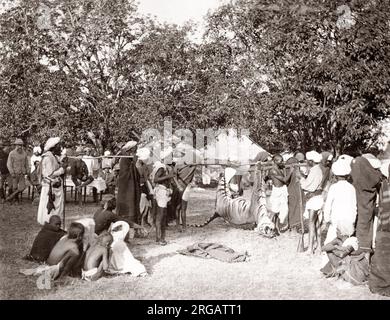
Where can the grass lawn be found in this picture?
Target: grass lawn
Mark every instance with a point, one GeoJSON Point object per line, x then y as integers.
{"type": "Point", "coordinates": [275, 269]}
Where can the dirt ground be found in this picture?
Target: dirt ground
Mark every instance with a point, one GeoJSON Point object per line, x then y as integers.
{"type": "Point", "coordinates": [275, 269]}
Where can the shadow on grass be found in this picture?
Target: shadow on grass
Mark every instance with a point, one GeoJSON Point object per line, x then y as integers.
{"type": "Point", "coordinates": [149, 263]}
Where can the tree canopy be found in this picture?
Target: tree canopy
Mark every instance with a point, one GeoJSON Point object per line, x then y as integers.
{"type": "Point", "coordinates": [298, 75]}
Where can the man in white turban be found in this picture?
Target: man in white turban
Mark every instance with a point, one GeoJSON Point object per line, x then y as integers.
{"type": "Point", "coordinates": [36, 157]}
{"type": "Point", "coordinates": [161, 177]}
{"type": "Point", "coordinates": [340, 207]}
{"type": "Point", "coordinates": [52, 192]}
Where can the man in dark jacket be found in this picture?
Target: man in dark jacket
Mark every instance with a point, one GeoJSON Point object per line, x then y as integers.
{"type": "Point", "coordinates": [46, 239]}
{"type": "Point", "coordinates": [366, 179]}
{"type": "Point", "coordinates": [129, 187]}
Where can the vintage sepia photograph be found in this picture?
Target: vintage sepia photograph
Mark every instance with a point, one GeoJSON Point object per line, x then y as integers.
{"type": "Point", "coordinates": [200, 150]}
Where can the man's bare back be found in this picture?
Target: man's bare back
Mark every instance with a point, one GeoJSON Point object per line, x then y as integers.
{"type": "Point", "coordinates": [62, 247]}
{"type": "Point", "coordinates": [96, 256]}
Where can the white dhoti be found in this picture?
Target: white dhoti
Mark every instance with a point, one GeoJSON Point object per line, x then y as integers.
{"type": "Point", "coordinates": [144, 203]}
{"type": "Point", "coordinates": [43, 215]}
{"type": "Point", "coordinates": [121, 259]}
{"type": "Point", "coordinates": [279, 202]}
{"type": "Point", "coordinates": [51, 271]}
{"type": "Point", "coordinates": [88, 275]}
{"type": "Point", "coordinates": [186, 193]}
{"type": "Point", "coordinates": [315, 203]}
{"type": "Point", "coordinates": [162, 195]}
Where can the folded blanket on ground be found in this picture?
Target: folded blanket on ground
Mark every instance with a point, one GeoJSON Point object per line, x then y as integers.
{"type": "Point", "coordinates": [214, 250]}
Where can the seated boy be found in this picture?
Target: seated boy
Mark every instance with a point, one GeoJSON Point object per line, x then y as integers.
{"type": "Point", "coordinates": [67, 250]}
{"type": "Point", "coordinates": [337, 250]}
{"type": "Point", "coordinates": [46, 239]}
{"type": "Point", "coordinates": [96, 259]}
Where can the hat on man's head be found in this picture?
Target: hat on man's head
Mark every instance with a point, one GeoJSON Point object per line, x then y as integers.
{"type": "Point", "coordinates": [143, 154]}
{"type": "Point", "coordinates": [107, 197]}
{"type": "Point", "coordinates": [18, 142]}
{"type": "Point", "coordinates": [374, 161]}
{"type": "Point", "coordinates": [37, 149]}
{"type": "Point", "coordinates": [346, 157]}
{"type": "Point", "coordinates": [51, 143]}
{"type": "Point", "coordinates": [129, 145]}
{"type": "Point", "coordinates": [313, 156]}
{"type": "Point", "coordinates": [107, 153]}
{"type": "Point", "coordinates": [300, 156]}
{"type": "Point", "coordinates": [341, 168]}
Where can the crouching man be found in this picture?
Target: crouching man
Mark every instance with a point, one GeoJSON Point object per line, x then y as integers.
{"type": "Point", "coordinates": [96, 259]}
{"type": "Point", "coordinates": [67, 251]}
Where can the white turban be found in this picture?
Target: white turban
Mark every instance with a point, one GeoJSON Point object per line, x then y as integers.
{"type": "Point", "coordinates": [129, 145]}
{"type": "Point", "coordinates": [107, 153]}
{"type": "Point", "coordinates": [341, 168]}
{"type": "Point", "coordinates": [37, 149]}
{"type": "Point", "coordinates": [314, 156]}
{"type": "Point", "coordinates": [51, 142]}
{"type": "Point", "coordinates": [347, 158]}
{"type": "Point", "coordinates": [143, 154]}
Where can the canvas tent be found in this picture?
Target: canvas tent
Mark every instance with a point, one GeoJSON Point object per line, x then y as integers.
{"type": "Point", "coordinates": [229, 148]}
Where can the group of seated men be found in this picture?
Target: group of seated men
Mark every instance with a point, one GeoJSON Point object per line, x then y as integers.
{"type": "Point", "coordinates": [75, 254]}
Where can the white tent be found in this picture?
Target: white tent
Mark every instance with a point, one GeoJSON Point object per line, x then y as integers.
{"type": "Point", "coordinates": [231, 148]}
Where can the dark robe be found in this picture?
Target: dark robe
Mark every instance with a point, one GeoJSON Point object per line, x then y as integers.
{"type": "Point", "coordinates": [295, 196]}
{"type": "Point", "coordinates": [379, 279]}
{"type": "Point", "coordinates": [366, 180]}
{"type": "Point", "coordinates": [45, 241]}
{"type": "Point", "coordinates": [129, 190]}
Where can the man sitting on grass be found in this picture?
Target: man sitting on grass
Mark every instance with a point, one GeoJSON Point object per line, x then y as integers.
{"type": "Point", "coordinates": [337, 250]}
{"type": "Point", "coordinates": [105, 215]}
{"type": "Point", "coordinates": [46, 239]}
{"type": "Point", "coordinates": [67, 250]}
{"type": "Point", "coordinates": [96, 259]}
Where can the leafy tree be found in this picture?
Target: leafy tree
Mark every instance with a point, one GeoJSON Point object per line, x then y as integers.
{"type": "Point", "coordinates": [326, 67]}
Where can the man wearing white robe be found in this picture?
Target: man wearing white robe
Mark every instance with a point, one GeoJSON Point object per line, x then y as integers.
{"type": "Point", "coordinates": [51, 174]}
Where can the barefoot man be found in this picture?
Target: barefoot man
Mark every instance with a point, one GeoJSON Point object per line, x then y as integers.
{"type": "Point", "coordinates": [279, 195]}
{"type": "Point", "coordinates": [66, 252]}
